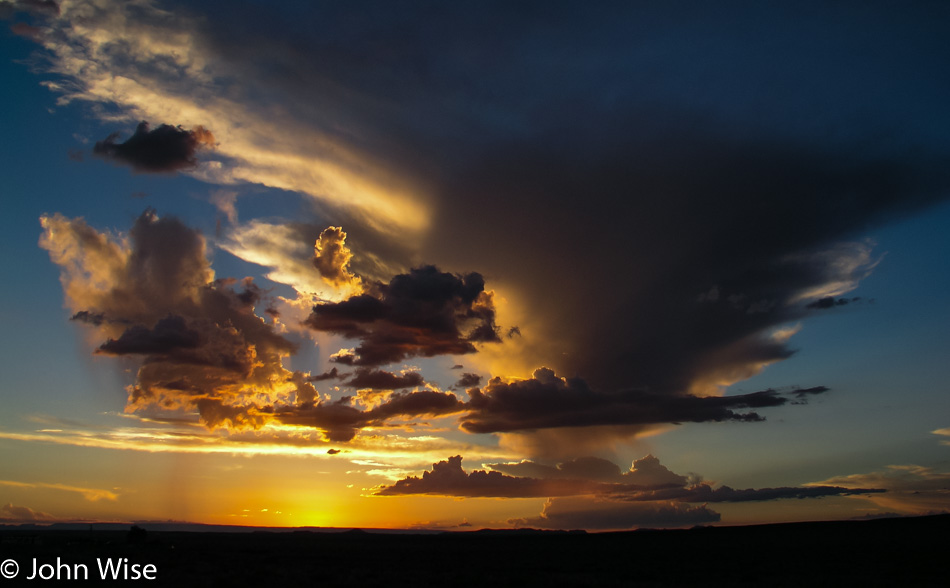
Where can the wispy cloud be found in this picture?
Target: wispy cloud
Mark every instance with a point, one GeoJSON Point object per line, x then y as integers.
{"type": "Point", "coordinates": [911, 489]}
{"type": "Point", "coordinates": [11, 513]}
{"type": "Point", "coordinates": [92, 494]}
{"type": "Point", "coordinates": [170, 69]}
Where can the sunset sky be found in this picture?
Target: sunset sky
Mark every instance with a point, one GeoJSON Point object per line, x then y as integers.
{"type": "Point", "coordinates": [462, 265]}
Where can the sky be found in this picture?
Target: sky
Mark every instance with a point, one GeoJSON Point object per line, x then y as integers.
{"type": "Point", "coordinates": [464, 265]}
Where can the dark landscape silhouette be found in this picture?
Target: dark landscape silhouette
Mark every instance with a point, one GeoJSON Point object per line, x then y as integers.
{"type": "Point", "coordinates": [879, 552]}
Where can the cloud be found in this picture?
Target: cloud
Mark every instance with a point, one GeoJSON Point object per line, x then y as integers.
{"type": "Point", "coordinates": [289, 249]}
{"type": "Point", "coordinates": [604, 514]}
{"type": "Point", "coordinates": [647, 481]}
{"type": "Point", "coordinates": [45, 7]}
{"type": "Point", "coordinates": [332, 374]}
{"type": "Point", "coordinates": [31, 32]}
{"type": "Point", "coordinates": [163, 149]}
{"type": "Point", "coordinates": [911, 489]}
{"type": "Point", "coordinates": [286, 248]}
{"type": "Point", "coordinates": [200, 344]}
{"type": "Point", "coordinates": [169, 335]}
{"type": "Point", "coordinates": [182, 435]}
{"type": "Point", "coordinates": [225, 202]}
{"type": "Point", "coordinates": [831, 302]}
{"type": "Point", "coordinates": [91, 494]}
{"type": "Point", "coordinates": [448, 479]}
{"type": "Point", "coordinates": [332, 258]}
{"type": "Point", "coordinates": [644, 472]}
{"type": "Point", "coordinates": [468, 380]}
{"type": "Point", "coordinates": [547, 401]}
{"type": "Point", "coordinates": [9, 512]}
{"type": "Point", "coordinates": [705, 493]}
{"type": "Point", "coordinates": [588, 468]}
{"type": "Point", "coordinates": [152, 295]}
{"type": "Point", "coordinates": [341, 421]}
{"type": "Point", "coordinates": [383, 380]}
{"type": "Point", "coordinates": [420, 314]}
{"type": "Point", "coordinates": [147, 62]}
{"type": "Point", "coordinates": [660, 240]}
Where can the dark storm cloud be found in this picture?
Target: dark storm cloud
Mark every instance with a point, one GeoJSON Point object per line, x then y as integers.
{"type": "Point", "coordinates": [420, 314]}
{"type": "Point", "coordinates": [447, 478]}
{"type": "Point", "coordinates": [341, 421]}
{"type": "Point", "coordinates": [84, 316]}
{"type": "Point", "coordinates": [664, 184]}
{"type": "Point", "coordinates": [831, 302]}
{"type": "Point", "coordinates": [588, 475]}
{"type": "Point", "coordinates": [666, 226]}
{"type": "Point", "coordinates": [332, 374]}
{"type": "Point", "coordinates": [168, 335]}
{"type": "Point", "coordinates": [646, 472]}
{"type": "Point", "coordinates": [647, 481]}
{"type": "Point", "coordinates": [592, 468]}
{"type": "Point", "coordinates": [423, 402]}
{"type": "Point", "coordinates": [468, 380]}
{"type": "Point", "coordinates": [163, 149]}
{"type": "Point", "coordinates": [383, 380]}
{"type": "Point", "coordinates": [547, 401]}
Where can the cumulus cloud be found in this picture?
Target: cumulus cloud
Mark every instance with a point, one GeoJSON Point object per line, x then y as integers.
{"type": "Point", "coordinates": [644, 472]}
{"type": "Point", "coordinates": [447, 478]}
{"type": "Point", "coordinates": [332, 259]}
{"type": "Point", "coordinates": [547, 401]}
{"type": "Point", "coordinates": [289, 250]}
{"type": "Point", "coordinates": [163, 149]}
{"type": "Point", "coordinates": [420, 314]}
{"type": "Point", "coordinates": [647, 481]}
{"type": "Point", "coordinates": [152, 295]}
